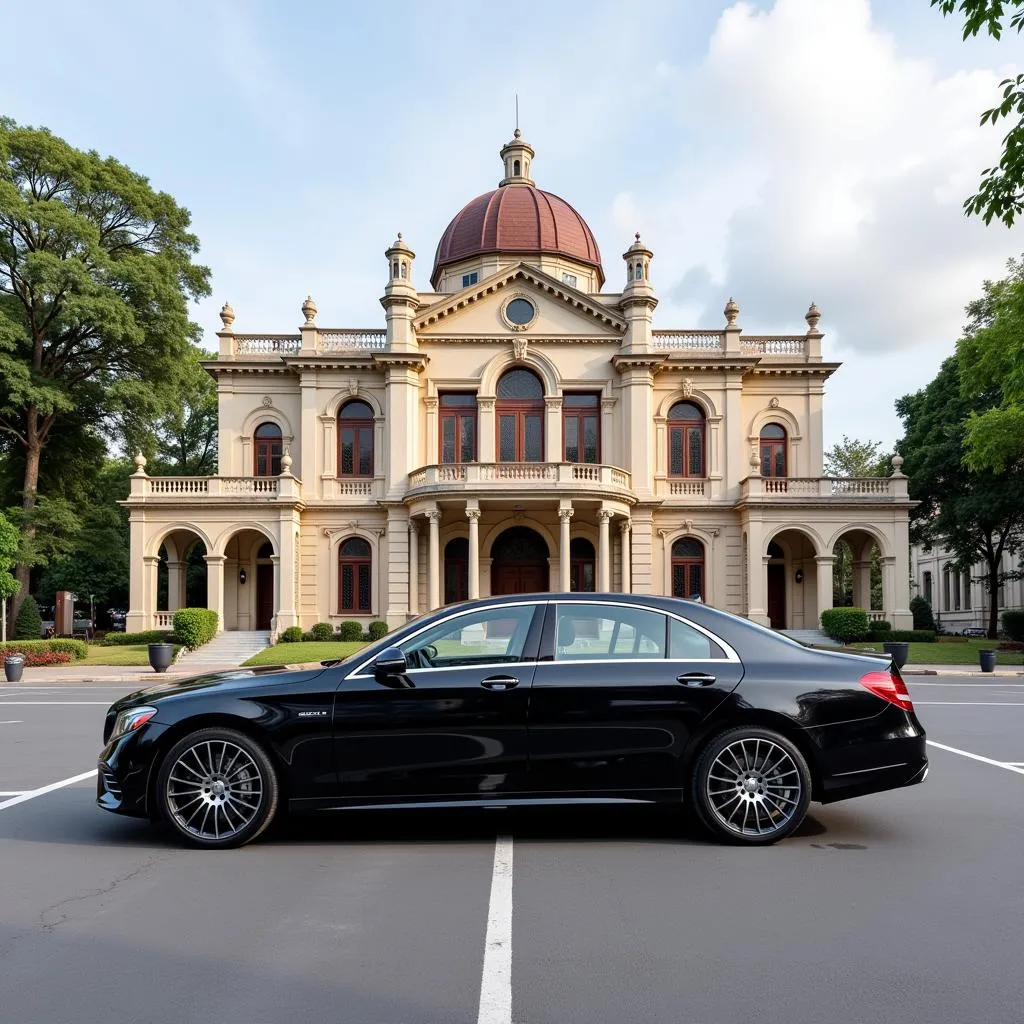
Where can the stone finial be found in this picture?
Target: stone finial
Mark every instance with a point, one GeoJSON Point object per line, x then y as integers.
{"type": "Point", "coordinates": [731, 312]}
{"type": "Point", "coordinates": [309, 311]}
{"type": "Point", "coordinates": [227, 316]}
{"type": "Point", "coordinates": [897, 465]}
{"type": "Point", "coordinates": [286, 463]}
{"type": "Point", "coordinates": [140, 464]}
{"type": "Point", "coordinates": [812, 317]}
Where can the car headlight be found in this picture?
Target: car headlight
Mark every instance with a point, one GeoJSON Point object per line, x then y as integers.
{"type": "Point", "coordinates": [130, 720]}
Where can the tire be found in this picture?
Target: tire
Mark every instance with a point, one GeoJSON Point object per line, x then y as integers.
{"type": "Point", "coordinates": [217, 789]}
{"type": "Point", "coordinates": [741, 803]}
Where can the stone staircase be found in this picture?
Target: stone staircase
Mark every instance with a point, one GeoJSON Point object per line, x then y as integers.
{"type": "Point", "coordinates": [810, 636]}
{"type": "Point", "coordinates": [231, 647]}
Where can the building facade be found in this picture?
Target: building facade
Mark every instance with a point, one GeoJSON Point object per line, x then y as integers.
{"type": "Point", "coordinates": [515, 428]}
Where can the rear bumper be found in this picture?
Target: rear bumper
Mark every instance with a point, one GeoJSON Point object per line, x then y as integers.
{"type": "Point", "coordinates": [874, 780]}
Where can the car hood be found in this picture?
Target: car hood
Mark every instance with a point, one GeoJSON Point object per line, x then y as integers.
{"type": "Point", "coordinates": [227, 679]}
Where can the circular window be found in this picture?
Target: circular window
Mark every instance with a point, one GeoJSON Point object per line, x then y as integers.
{"type": "Point", "coordinates": [520, 311]}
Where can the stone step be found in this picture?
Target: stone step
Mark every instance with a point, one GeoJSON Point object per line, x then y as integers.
{"type": "Point", "coordinates": [228, 648]}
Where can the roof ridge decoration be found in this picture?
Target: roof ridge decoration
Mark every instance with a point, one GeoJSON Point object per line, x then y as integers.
{"type": "Point", "coordinates": [451, 304]}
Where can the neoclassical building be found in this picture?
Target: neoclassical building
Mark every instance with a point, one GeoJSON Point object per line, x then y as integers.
{"type": "Point", "coordinates": [517, 427]}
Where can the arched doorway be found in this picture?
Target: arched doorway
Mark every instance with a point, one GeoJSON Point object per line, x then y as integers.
{"type": "Point", "coordinates": [776, 586]}
{"type": "Point", "coordinates": [688, 569]}
{"type": "Point", "coordinates": [456, 570]}
{"type": "Point", "coordinates": [181, 577]}
{"type": "Point", "coordinates": [582, 562]}
{"type": "Point", "coordinates": [248, 581]}
{"type": "Point", "coordinates": [857, 577]}
{"type": "Point", "coordinates": [519, 562]}
{"type": "Point", "coordinates": [520, 414]}
{"type": "Point", "coordinates": [791, 577]}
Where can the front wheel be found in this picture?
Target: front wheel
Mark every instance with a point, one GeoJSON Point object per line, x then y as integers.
{"type": "Point", "coordinates": [751, 786]}
{"type": "Point", "coordinates": [217, 788]}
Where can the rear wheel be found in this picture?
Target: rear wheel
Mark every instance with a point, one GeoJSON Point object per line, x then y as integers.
{"type": "Point", "coordinates": [217, 788]}
{"type": "Point", "coordinates": [751, 786]}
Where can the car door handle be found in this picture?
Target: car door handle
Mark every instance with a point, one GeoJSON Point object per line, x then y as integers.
{"type": "Point", "coordinates": [696, 679]}
{"type": "Point", "coordinates": [500, 683]}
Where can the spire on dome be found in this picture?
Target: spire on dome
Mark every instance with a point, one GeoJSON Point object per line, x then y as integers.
{"type": "Point", "coordinates": [517, 156]}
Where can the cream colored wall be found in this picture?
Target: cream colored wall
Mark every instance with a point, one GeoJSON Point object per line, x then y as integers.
{"type": "Point", "coordinates": [451, 277]}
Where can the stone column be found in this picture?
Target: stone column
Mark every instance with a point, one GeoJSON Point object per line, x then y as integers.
{"type": "Point", "coordinates": [889, 595]}
{"type": "Point", "coordinates": [473, 515]}
{"type": "Point", "coordinates": [824, 588]}
{"type": "Point", "coordinates": [862, 583]}
{"type": "Point", "coordinates": [487, 450]}
{"type": "Point", "coordinates": [757, 575]}
{"type": "Point", "coordinates": [627, 581]}
{"type": "Point", "coordinates": [215, 587]}
{"type": "Point", "coordinates": [151, 564]}
{"type": "Point", "coordinates": [175, 579]}
{"type": "Point", "coordinates": [414, 568]}
{"type": "Point", "coordinates": [285, 613]}
{"type": "Point", "coordinates": [564, 546]}
{"type": "Point", "coordinates": [604, 568]}
{"type": "Point", "coordinates": [275, 561]}
{"type": "Point", "coordinates": [434, 561]}
{"type": "Point", "coordinates": [553, 448]}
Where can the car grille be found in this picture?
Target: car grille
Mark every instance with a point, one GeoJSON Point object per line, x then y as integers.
{"type": "Point", "coordinates": [110, 783]}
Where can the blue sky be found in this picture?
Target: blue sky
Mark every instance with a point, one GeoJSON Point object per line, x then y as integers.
{"type": "Point", "coordinates": [778, 151]}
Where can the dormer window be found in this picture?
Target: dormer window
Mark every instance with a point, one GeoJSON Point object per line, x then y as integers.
{"type": "Point", "coordinates": [468, 279]}
{"type": "Point", "coordinates": [569, 279]}
{"type": "Point", "coordinates": [515, 168]}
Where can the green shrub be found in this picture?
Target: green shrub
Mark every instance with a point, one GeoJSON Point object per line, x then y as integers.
{"type": "Point", "coordinates": [845, 625]}
{"type": "Point", "coordinates": [322, 632]}
{"type": "Point", "coordinates": [377, 630]}
{"type": "Point", "coordinates": [922, 612]}
{"type": "Point", "coordinates": [195, 626]}
{"type": "Point", "coordinates": [307, 638]}
{"type": "Point", "coordinates": [350, 631]}
{"type": "Point", "coordinates": [148, 636]}
{"type": "Point", "coordinates": [910, 636]}
{"type": "Point", "coordinates": [28, 625]}
{"type": "Point", "coordinates": [1013, 623]}
{"type": "Point", "coordinates": [292, 635]}
{"type": "Point", "coordinates": [879, 626]}
{"type": "Point", "coordinates": [75, 649]}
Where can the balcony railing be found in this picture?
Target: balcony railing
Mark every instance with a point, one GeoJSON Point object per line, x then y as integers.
{"type": "Point", "coordinates": [790, 345]}
{"type": "Point", "coordinates": [220, 488]}
{"type": "Point", "coordinates": [689, 341]}
{"type": "Point", "coordinates": [497, 476]}
{"type": "Point", "coordinates": [871, 488]}
{"type": "Point", "coordinates": [260, 346]}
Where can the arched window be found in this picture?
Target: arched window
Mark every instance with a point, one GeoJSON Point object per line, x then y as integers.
{"type": "Point", "coordinates": [520, 413]}
{"type": "Point", "coordinates": [267, 445]}
{"type": "Point", "coordinates": [405, 269]}
{"type": "Point", "coordinates": [515, 168]}
{"type": "Point", "coordinates": [456, 570]}
{"type": "Point", "coordinates": [688, 568]}
{"type": "Point", "coordinates": [639, 271]}
{"type": "Point", "coordinates": [582, 576]}
{"type": "Point", "coordinates": [355, 440]}
{"type": "Point", "coordinates": [686, 434]}
{"type": "Point", "coordinates": [773, 450]}
{"type": "Point", "coordinates": [355, 563]}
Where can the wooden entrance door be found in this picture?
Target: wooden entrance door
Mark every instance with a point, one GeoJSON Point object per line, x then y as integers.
{"type": "Point", "coordinates": [777, 596]}
{"type": "Point", "coordinates": [519, 579]}
{"type": "Point", "coordinates": [264, 596]}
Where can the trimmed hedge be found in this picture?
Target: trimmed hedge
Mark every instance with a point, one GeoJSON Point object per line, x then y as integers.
{"type": "Point", "coordinates": [879, 626]}
{"type": "Point", "coordinates": [292, 635]}
{"type": "Point", "coordinates": [922, 612]}
{"type": "Point", "coordinates": [195, 626]}
{"type": "Point", "coordinates": [322, 632]}
{"type": "Point", "coordinates": [39, 652]}
{"type": "Point", "coordinates": [377, 630]}
{"type": "Point", "coordinates": [845, 625]}
{"type": "Point", "coordinates": [29, 624]}
{"type": "Point", "coordinates": [147, 636]}
{"type": "Point", "coordinates": [350, 632]}
{"type": "Point", "coordinates": [910, 636]}
{"type": "Point", "coordinates": [1013, 623]}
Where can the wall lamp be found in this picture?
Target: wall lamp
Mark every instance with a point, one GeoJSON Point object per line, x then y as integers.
{"type": "Point", "coordinates": [242, 576]}
{"type": "Point", "coordinates": [799, 576]}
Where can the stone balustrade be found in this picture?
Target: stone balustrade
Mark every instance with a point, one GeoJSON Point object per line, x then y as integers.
{"type": "Point", "coordinates": [485, 477]}
{"type": "Point", "coordinates": [213, 488]}
{"type": "Point", "coordinates": [870, 488]}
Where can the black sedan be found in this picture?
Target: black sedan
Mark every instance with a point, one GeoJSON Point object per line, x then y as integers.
{"type": "Point", "coordinates": [525, 699]}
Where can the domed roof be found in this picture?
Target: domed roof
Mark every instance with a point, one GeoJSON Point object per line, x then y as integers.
{"type": "Point", "coordinates": [517, 217]}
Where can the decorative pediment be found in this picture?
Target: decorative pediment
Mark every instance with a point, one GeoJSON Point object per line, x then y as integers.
{"type": "Point", "coordinates": [497, 292]}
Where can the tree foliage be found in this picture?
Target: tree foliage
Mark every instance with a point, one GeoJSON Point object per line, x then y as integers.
{"type": "Point", "coordinates": [96, 273]}
{"type": "Point", "coordinates": [851, 457]}
{"type": "Point", "coordinates": [9, 543]}
{"type": "Point", "coordinates": [1000, 194]}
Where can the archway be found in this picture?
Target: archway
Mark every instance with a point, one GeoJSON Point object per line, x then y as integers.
{"type": "Point", "coordinates": [249, 581]}
{"type": "Point", "coordinates": [791, 580]}
{"type": "Point", "coordinates": [181, 574]}
{"type": "Point", "coordinates": [857, 578]}
{"type": "Point", "coordinates": [519, 562]}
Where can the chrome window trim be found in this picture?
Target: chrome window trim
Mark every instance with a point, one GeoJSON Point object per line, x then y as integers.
{"type": "Point", "coordinates": [731, 657]}
{"type": "Point", "coordinates": [438, 622]}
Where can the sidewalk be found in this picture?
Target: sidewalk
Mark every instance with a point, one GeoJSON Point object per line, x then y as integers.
{"type": "Point", "coordinates": [962, 670]}
{"type": "Point", "coordinates": [74, 675]}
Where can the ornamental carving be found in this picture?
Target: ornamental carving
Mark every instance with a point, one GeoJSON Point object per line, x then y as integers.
{"type": "Point", "coordinates": [267, 401]}
{"type": "Point", "coordinates": [687, 388]}
{"type": "Point", "coordinates": [774, 403]}
{"type": "Point", "coordinates": [353, 386]}
{"type": "Point", "coordinates": [519, 348]}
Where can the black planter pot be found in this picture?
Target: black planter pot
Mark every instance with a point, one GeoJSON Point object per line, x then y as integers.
{"type": "Point", "coordinates": [161, 656]}
{"type": "Point", "coordinates": [14, 665]}
{"type": "Point", "coordinates": [899, 650]}
{"type": "Point", "coordinates": [988, 660]}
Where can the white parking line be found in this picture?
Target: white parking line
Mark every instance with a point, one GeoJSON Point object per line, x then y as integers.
{"type": "Point", "coordinates": [965, 753]}
{"type": "Point", "coordinates": [11, 792]}
{"type": "Point", "coordinates": [496, 979]}
{"type": "Point", "coordinates": [43, 790]}
{"type": "Point", "coordinates": [13, 721]}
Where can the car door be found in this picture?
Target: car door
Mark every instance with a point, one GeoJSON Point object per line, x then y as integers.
{"type": "Point", "coordinates": [618, 691]}
{"type": "Point", "coordinates": [453, 725]}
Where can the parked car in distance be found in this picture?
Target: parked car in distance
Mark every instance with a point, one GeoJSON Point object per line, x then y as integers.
{"type": "Point", "coordinates": [524, 699]}
{"type": "Point", "coordinates": [974, 631]}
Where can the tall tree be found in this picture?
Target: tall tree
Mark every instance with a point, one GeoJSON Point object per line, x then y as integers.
{"type": "Point", "coordinates": [96, 272]}
{"type": "Point", "coordinates": [1000, 194]}
{"type": "Point", "coordinates": [992, 351]}
{"type": "Point", "coordinates": [9, 543]}
{"type": "Point", "coordinates": [978, 515]}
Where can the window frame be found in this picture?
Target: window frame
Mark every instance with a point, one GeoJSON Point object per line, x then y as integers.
{"type": "Point", "coordinates": [519, 409]}
{"type": "Point", "coordinates": [470, 279]}
{"type": "Point", "coordinates": [457, 413]}
{"type": "Point", "coordinates": [359, 427]}
{"type": "Point", "coordinates": [264, 448]}
{"type": "Point", "coordinates": [684, 428]}
{"type": "Point", "coordinates": [354, 563]}
{"type": "Point", "coordinates": [580, 413]}
{"type": "Point", "coordinates": [773, 447]}
{"type": "Point", "coordinates": [685, 563]}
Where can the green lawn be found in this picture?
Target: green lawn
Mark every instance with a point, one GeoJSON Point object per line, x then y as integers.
{"type": "Point", "coordinates": [950, 653]}
{"type": "Point", "coordinates": [303, 652]}
{"type": "Point", "coordinates": [129, 654]}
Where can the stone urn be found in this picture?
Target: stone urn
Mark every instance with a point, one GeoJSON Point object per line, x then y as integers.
{"type": "Point", "coordinates": [161, 656]}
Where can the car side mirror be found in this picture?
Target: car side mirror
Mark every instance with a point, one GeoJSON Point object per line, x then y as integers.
{"type": "Point", "coordinates": [390, 662]}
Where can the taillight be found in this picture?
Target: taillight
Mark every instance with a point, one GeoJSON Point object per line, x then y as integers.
{"type": "Point", "coordinates": [888, 686]}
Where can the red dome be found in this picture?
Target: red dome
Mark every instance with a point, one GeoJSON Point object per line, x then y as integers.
{"type": "Point", "coordinates": [517, 218]}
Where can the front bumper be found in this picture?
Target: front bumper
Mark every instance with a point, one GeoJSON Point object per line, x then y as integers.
{"type": "Point", "coordinates": [124, 771]}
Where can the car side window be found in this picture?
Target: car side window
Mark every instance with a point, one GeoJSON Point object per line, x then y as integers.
{"type": "Point", "coordinates": [601, 631]}
{"type": "Point", "coordinates": [492, 635]}
{"type": "Point", "coordinates": [688, 644]}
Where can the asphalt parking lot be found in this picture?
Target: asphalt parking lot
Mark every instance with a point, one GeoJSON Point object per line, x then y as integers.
{"type": "Point", "coordinates": [905, 906]}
